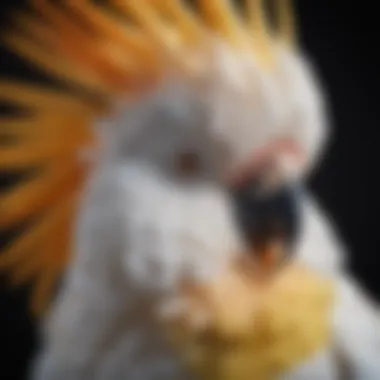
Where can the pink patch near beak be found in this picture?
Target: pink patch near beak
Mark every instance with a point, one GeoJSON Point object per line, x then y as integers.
{"type": "Point", "coordinates": [275, 149]}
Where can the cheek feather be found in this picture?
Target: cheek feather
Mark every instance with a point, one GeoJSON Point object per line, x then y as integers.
{"type": "Point", "coordinates": [192, 232]}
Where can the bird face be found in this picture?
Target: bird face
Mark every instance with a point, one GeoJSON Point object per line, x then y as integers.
{"type": "Point", "coordinates": [206, 173]}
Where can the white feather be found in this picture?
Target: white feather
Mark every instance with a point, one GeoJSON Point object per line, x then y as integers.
{"type": "Point", "coordinates": [142, 228]}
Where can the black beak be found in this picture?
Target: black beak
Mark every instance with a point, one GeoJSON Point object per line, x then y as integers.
{"type": "Point", "coordinates": [268, 218]}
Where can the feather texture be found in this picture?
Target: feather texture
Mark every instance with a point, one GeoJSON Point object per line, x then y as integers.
{"type": "Point", "coordinates": [255, 332]}
{"type": "Point", "coordinates": [108, 51]}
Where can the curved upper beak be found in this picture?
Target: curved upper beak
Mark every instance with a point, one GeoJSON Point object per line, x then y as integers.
{"type": "Point", "coordinates": [270, 223]}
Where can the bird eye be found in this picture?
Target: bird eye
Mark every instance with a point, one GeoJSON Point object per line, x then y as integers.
{"type": "Point", "coordinates": [188, 163]}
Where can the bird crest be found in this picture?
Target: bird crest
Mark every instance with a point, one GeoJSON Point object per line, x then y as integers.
{"type": "Point", "coordinates": [99, 53]}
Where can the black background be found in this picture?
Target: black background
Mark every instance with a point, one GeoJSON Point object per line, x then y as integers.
{"type": "Point", "coordinates": [343, 40]}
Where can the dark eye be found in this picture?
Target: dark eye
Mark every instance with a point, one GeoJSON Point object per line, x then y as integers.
{"type": "Point", "coordinates": [188, 163]}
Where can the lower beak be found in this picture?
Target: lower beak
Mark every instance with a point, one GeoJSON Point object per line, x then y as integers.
{"type": "Point", "coordinates": [270, 257]}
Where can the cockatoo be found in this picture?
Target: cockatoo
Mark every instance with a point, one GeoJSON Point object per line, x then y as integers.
{"type": "Point", "coordinates": [168, 163]}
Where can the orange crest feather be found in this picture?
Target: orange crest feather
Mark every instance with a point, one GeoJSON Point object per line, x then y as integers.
{"type": "Point", "coordinates": [99, 53]}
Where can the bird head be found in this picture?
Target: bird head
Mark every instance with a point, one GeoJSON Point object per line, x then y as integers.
{"type": "Point", "coordinates": [208, 118]}
{"type": "Point", "coordinates": [214, 154]}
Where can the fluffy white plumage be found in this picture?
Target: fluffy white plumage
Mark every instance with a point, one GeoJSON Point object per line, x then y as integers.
{"type": "Point", "coordinates": [142, 228]}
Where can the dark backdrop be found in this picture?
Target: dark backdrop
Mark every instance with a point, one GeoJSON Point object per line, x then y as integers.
{"type": "Point", "coordinates": [343, 41]}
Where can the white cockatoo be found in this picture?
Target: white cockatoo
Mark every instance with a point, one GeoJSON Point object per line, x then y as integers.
{"type": "Point", "coordinates": [169, 157]}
